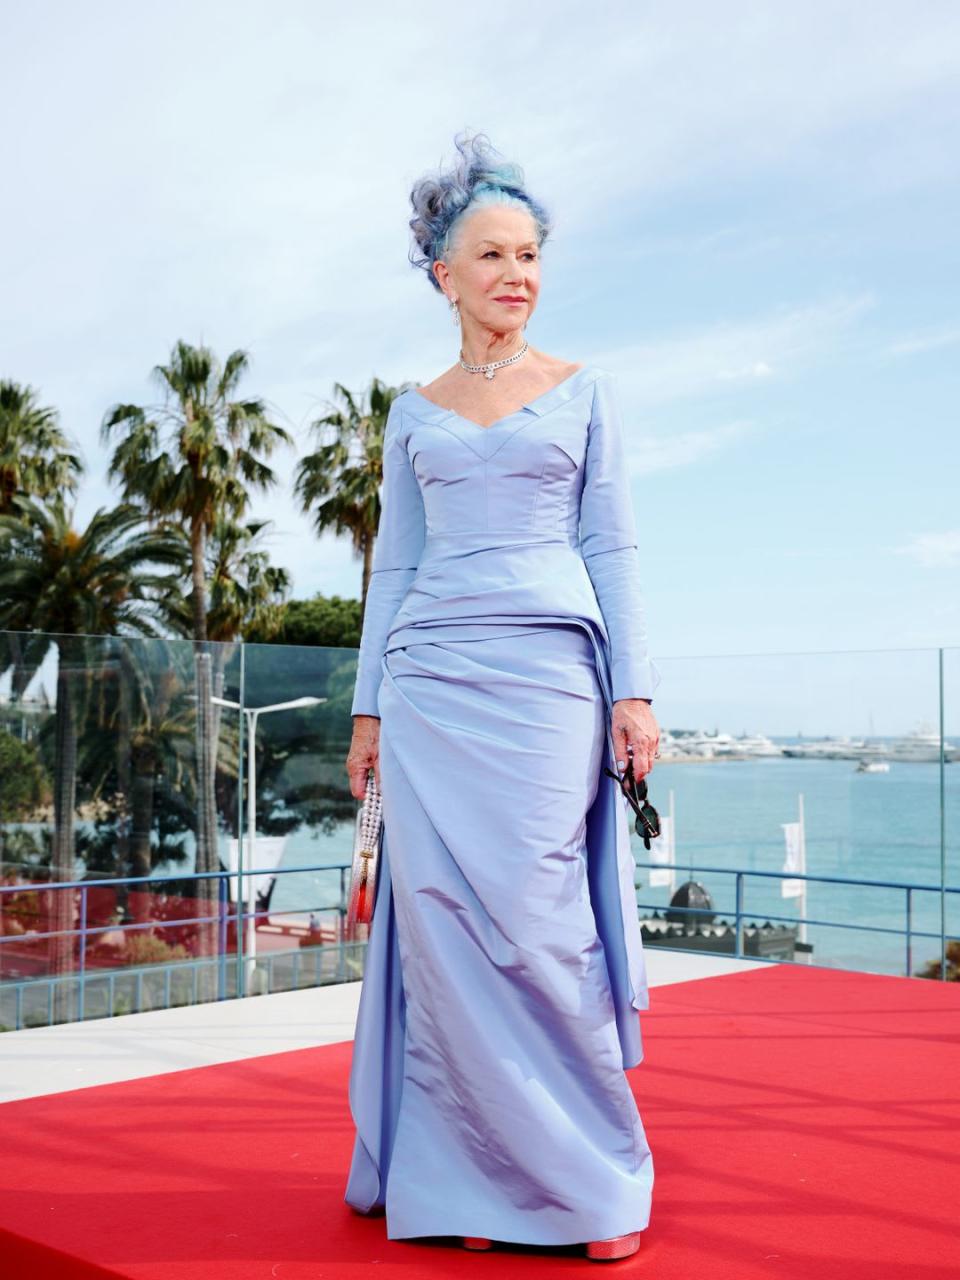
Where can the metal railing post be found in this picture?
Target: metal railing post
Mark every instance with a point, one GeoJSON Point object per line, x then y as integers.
{"type": "Point", "coordinates": [943, 830]}
{"type": "Point", "coordinates": [82, 970]}
{"type": "Point", "coordinates": [222, 938]}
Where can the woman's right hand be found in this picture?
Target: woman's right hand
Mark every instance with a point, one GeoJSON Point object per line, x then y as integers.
{"type": "Point", "coordinates": [364, 754]}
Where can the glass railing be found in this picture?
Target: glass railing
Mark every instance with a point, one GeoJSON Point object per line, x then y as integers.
{"type": "Point", "coordinates": [817, 818]}
{"type": "Point", "coordinates": [811, 806]}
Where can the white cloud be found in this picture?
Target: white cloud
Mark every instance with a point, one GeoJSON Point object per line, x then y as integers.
{"type": "Point", "coordinates": [728, 356]}
{"type": "Point", "coordinates": [933, 341]}
{"type": "Point", "coordinates": [684, 449]}
{"type": "Point", "coordinates": [934, 550]}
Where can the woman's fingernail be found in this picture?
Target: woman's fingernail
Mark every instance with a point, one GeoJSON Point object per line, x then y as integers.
{"type": "Point", "coordinates": [619, 764]}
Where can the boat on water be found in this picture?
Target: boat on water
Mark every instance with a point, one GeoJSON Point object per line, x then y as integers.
{"type": "Point", "coordinates": [920, 745]}
{"type": "Point", "coordinates": [698, 744]}
{"type": "Point", "coordinates": [923, 744]}
{"type": "Point", "coordinates": [758, 744]}
{"type": "Point", "coordinates": [831, 748]}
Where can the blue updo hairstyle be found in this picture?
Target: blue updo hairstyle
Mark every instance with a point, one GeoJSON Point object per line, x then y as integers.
{"type": "Point", "coordinates": [479, 177]}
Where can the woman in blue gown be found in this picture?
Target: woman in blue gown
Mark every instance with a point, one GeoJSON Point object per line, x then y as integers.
{"type": "Point", "coordinates": [503, 663]}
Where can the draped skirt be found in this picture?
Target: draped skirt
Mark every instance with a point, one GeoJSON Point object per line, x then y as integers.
{"type": "Point", "coordinates": [488, 1084]}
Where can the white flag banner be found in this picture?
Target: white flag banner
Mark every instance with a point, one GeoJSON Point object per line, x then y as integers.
{"type": "Point", "coordinates": [269, 853]}
{"type": "Point", "coordinates": [663, 853]}
{"type": "Point", "coordinates": [794, 861]}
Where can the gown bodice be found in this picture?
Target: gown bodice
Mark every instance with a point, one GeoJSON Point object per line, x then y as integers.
{"type": "Point", "coordinates": [527, 521]}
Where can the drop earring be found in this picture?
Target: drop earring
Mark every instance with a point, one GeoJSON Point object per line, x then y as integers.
{"type": "Point", "coordinates": [455, 308]}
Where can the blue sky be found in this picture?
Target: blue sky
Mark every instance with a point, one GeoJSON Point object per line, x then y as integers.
{"type": "Point", "coordinates": [756, 213]}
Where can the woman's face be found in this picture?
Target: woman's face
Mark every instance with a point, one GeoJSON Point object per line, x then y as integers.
{"type": "Point", "coordinates": [493, 269]}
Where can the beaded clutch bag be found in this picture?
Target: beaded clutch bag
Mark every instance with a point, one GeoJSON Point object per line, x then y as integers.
{"type": "Point", "coordinates": [366, 855]}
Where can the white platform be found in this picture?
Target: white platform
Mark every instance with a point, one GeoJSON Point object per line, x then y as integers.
{"type": "Point", "coordinates": [44, 1060]}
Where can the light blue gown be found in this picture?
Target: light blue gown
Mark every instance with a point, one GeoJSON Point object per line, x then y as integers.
{"type": "Point", "coordinates": [504, 969]}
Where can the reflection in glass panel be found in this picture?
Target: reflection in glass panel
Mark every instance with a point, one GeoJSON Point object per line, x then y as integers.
{"type": "Point", "coordinates": [104, 749]}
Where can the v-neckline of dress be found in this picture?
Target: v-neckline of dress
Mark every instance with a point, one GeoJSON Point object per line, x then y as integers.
{"type": "Point", "coordinates": [537, 405]}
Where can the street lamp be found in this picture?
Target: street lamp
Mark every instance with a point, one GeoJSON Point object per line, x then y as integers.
{"type": "Point", "coordinates": [252, 713]}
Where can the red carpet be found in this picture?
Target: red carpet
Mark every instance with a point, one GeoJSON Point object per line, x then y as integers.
{"type": "Point", "coordinates": [804, 1122]}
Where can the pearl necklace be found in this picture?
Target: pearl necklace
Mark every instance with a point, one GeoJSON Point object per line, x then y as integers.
{"type": "Point", "coordinates": [488, 369]}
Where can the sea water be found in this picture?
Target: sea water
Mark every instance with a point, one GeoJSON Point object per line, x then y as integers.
{"type": "Point", "coordinates": [865, 826]}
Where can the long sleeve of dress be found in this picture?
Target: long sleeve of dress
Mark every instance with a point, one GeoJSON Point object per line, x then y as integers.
{"type": "Point", "coordinates": [400, 538]}
{"type": "Point", "coordinates": [608, 543]}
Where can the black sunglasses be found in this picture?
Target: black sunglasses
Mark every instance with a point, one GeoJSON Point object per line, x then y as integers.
{"type": "Point", "coordinates": [647, 823]}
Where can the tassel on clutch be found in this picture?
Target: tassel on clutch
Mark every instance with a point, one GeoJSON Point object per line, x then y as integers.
{"type": "Point", "coordinates": [368, 835]}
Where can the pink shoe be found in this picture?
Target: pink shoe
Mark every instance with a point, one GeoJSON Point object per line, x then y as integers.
{"type": "Point", "coordinates": [616, 1247]}
{"type": "Point", "coordinates": [477, 1242]}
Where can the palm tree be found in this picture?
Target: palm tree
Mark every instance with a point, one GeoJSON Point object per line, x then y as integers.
{"type": "Point", "coordinates": [246, 590]}
{"type": "Point", "coordinates": [139, 739]}
{"type": "Point", "coordinates": [36, 461]}
{"type": "Point", "coordinates": [74, 586]}
{"type": "Point", "coordinates": [35, 456]}
{"type": "Point", "coordinates": [193, 460]}
{"type": "Point", "coordinates": [342, 479]}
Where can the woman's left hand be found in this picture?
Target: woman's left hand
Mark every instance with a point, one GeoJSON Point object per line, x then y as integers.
{"type": "Point", "coordinates": [634, 725]}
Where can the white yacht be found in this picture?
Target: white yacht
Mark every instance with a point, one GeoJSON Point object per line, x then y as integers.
{"type": "Point", "coordinates": [758, 744]}
{"type": "Point", "coordinates": [829, 748]}
{"type": "Point", "coordinates": [708, 745]}
{"type": "Point", "coordinates": [921, 744]}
